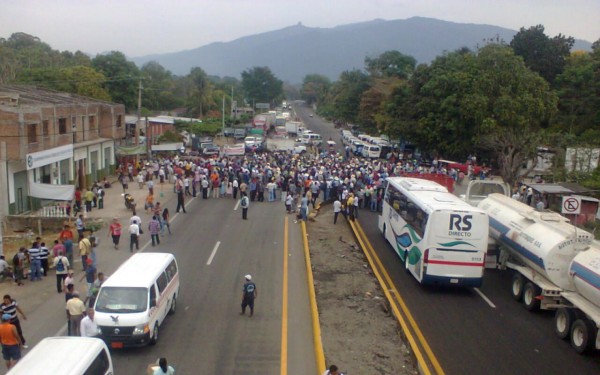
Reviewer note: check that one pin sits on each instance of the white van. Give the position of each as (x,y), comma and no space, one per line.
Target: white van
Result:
(66,356)
(371,151)
(134,301)
(313,138)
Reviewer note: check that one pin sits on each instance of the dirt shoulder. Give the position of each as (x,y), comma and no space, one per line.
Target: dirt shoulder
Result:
(359,333)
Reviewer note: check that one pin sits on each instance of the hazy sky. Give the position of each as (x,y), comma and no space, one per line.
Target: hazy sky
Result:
(141,27)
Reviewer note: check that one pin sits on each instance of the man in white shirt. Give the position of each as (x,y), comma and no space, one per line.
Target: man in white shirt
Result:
(135,218)
(337,208)
(134,234)
(88,327)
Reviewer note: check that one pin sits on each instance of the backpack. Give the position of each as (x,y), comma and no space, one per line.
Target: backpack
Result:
(250,289)
(60,267)
(244,202)
(15,260)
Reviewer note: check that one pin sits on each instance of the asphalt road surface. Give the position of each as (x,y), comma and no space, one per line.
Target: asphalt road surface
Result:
(207,335)
(466,333)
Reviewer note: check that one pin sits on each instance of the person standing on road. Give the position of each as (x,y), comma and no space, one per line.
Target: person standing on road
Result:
(115,232)
(75,310)
(90,278)
(249,294)
(332,370)
(35,264)
(66,237)
(61,265)
(85,249)
(166,217)
(337,208)
(80,226)
(154,229)
(88,327)
(44,253)
(160,368)
(9,306)
(179,188)
(11,342)
(134,236)
(244,203)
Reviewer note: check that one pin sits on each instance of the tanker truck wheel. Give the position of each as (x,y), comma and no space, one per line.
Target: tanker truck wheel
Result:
(517,286)
(530,292)
(563,319)
(583,335)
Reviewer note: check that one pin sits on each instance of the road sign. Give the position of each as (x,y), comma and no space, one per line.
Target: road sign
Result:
(262,105)
(571,205)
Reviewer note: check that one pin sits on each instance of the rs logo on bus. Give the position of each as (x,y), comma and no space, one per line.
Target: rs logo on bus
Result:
(460,223)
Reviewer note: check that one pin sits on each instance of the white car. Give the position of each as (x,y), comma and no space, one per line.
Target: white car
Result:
(299,148)
(250,141)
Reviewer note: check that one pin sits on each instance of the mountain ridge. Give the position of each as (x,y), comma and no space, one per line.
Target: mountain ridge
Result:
(297,50)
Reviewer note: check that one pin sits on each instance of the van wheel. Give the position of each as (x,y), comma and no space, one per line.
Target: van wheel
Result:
(406,262)
(583,333)
(517,286)
(173,306)
(154,338)
(383,231)
(530,292)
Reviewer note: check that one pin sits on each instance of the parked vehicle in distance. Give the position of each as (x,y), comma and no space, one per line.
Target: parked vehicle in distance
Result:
(69,356)
(294,127)
(239,133)
(211,149)
(229,132)
(312,138)
(250,141)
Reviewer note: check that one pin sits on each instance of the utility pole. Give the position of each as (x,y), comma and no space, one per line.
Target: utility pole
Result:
(232,101)
(139,113)
(223,114)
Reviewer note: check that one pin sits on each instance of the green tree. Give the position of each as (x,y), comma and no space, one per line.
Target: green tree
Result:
(517,105)
(198,92)
(314,88)
(391,64)
(261,86)
(159,85)
(122,78)
(578,88)
(542,54)
(345,95)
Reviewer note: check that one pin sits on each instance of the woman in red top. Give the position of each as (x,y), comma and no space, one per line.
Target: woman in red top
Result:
(115,231)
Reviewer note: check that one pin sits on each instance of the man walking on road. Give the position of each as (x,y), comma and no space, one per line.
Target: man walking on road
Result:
(10,307)
(11,342)
(75,310)
(249,293)
(134,236)
(244,203)
(61,265)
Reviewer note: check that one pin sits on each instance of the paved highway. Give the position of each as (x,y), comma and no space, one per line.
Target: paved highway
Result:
(468,334)
(207,335)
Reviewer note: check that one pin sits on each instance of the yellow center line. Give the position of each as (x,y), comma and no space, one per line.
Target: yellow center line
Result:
(284,307)
(407,313)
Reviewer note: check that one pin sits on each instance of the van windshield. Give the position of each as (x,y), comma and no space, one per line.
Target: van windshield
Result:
(122,300)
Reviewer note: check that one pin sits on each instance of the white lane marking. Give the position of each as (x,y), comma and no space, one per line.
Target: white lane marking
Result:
(237,205)
(212,255)
(489,302)
(61,331)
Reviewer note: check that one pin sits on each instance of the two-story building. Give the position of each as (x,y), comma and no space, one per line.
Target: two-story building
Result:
(50,140)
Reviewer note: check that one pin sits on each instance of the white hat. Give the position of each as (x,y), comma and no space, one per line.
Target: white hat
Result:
(248,277)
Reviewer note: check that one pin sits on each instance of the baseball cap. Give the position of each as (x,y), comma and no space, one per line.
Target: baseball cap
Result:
(248,277)
(6,316)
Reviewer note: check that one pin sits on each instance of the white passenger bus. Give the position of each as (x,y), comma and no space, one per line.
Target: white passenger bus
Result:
(440,238)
